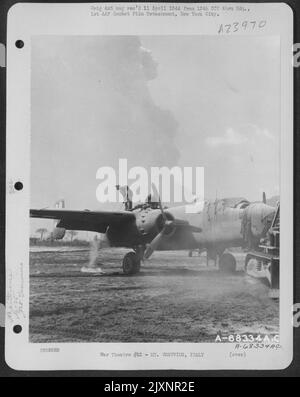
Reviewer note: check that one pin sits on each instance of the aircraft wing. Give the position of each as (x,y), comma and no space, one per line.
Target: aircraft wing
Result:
(94,221)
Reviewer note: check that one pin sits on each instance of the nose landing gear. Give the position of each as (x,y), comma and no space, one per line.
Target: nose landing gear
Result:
(132,261)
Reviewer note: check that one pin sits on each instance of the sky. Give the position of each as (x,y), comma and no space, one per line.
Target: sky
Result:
(206,101)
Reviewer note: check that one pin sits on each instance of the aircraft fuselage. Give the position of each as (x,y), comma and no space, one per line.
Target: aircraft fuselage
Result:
(220,225)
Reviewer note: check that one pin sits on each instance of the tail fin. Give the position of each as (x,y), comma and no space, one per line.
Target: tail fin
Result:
(58,232)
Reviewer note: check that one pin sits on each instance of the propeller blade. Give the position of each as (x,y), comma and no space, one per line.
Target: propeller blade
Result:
(153,245)
(155,191)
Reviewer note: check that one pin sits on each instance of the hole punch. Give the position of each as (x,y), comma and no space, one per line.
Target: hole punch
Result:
(17,329)
(19,43)
(18,186)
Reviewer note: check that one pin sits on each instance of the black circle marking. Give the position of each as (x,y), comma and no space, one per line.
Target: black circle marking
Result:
(17,329)
(18,186)
(19,43)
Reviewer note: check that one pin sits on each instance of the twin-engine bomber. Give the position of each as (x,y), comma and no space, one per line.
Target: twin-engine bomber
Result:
(213,226)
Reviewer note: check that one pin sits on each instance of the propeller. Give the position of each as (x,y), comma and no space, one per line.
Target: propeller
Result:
(169,227)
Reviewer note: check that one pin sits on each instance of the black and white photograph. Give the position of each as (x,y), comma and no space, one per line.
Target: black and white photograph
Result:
(107,271)
(155,186)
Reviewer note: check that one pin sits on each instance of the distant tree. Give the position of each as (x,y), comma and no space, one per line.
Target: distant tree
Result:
(41,231)
(72,234)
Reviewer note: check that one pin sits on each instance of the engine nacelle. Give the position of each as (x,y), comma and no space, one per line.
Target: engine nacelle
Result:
(150,222)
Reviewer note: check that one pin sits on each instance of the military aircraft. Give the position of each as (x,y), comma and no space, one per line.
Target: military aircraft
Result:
(145,228)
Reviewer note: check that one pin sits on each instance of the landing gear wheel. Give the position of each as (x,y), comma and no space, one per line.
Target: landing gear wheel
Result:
(131,263)
(227,263)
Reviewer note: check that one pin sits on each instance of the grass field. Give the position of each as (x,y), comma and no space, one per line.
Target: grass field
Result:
(173,299)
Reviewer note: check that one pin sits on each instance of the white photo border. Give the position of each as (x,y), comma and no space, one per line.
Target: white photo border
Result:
(27,20)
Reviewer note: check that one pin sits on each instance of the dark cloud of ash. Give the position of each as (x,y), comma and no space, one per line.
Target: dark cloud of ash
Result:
(140,130)
(91,106)
(127,118)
